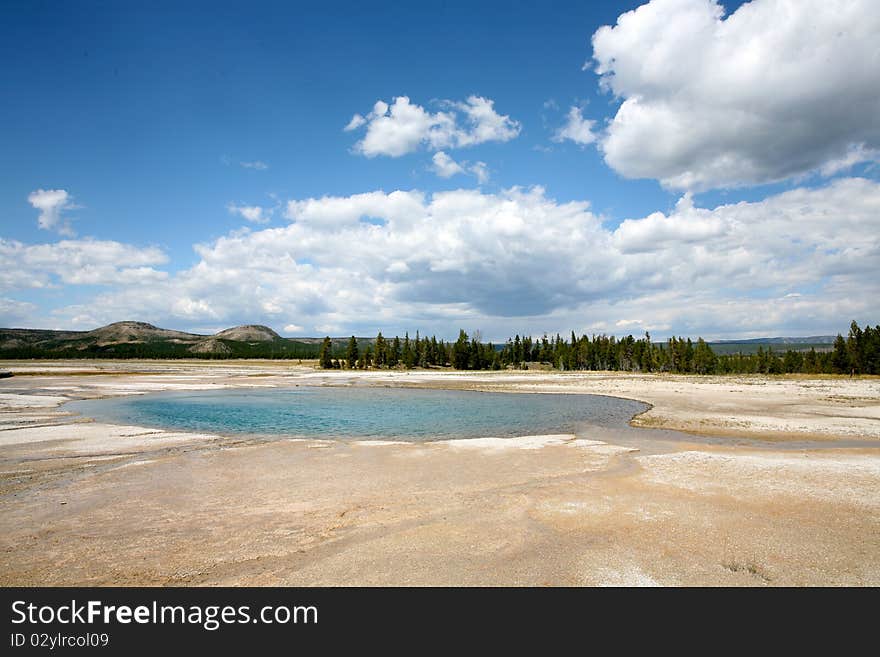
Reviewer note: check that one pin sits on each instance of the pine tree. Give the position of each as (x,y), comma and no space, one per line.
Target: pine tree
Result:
(461,352)
(704,358)
(811,364)
(394,352)
(761,363)
(325,356)
(379,354)
(855,348)
(351,355)
(839,356)
(421,351)
(408,358)
(871,358)
(475,352)
(793,361)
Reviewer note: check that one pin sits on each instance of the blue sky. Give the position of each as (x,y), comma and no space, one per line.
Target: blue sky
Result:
(157,121)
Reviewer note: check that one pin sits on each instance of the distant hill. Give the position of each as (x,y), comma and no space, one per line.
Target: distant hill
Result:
(814,339)
(128,332)
(249,333)
(819,343)
(141,340)
(210,346)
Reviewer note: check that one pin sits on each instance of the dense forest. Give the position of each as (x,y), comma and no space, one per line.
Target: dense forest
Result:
(858,353)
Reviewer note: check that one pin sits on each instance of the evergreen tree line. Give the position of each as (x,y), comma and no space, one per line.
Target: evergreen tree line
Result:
(464,354)
(858,353)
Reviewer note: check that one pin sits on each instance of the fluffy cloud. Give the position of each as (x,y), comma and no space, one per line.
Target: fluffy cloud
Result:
(481,171)
(576,128)
(483,123)
(685,226)
(333,212)
(816,249)
(259,165)
(356,122)
(52,203)
(256,214)
(801,261)
(445,167)
(403,127)
(13,312)
(77,262)
(777,89)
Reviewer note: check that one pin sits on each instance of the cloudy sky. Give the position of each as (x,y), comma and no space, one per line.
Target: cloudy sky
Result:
(678,166)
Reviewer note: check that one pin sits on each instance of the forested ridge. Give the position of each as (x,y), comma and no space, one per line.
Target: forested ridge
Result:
(858,353)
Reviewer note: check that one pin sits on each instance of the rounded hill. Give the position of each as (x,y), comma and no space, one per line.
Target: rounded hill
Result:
(122,332)
(248,333)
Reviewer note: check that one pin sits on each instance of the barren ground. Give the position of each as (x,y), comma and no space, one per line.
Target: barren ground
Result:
(776,482)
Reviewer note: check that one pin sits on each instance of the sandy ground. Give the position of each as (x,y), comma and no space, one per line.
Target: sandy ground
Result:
(777,482)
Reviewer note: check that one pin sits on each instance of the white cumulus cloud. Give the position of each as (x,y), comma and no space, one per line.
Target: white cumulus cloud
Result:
(52,203)
(254,213)
(403,126)
(14,312)
(445,166)
(775,90)
(803,261)
(77,262)
(576,128)
(356,122)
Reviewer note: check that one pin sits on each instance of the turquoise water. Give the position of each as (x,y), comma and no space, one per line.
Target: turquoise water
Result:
(398,413)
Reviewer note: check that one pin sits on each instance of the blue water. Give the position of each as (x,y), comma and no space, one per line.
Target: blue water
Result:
(398,413)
